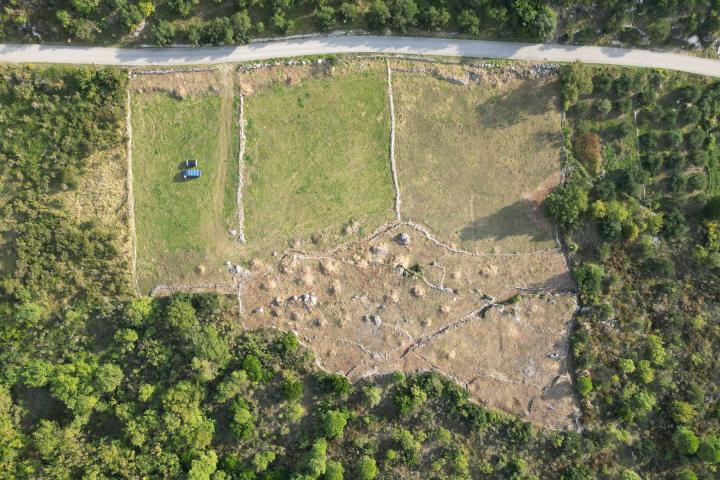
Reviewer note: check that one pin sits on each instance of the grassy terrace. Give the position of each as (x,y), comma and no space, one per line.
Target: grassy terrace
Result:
(317,157)
(475,161)
(182,225)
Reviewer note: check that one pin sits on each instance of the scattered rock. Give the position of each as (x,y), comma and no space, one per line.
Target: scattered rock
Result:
(277,302)
(180,93)
(379,250)
(444,309)
(418,291)
(352,228)
(450,355)
(328,267)
(376,320)
(393,297)
(268,285)
(232,232)
(200,269)
(427,322)
(308,279)
(319,322)
(403,239)
(489,271)
(259,310)
(335,289)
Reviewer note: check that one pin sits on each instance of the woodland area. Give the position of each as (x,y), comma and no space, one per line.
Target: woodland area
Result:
(97,383)
(228,22)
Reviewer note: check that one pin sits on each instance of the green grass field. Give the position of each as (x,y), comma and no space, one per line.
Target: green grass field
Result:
(317,157)
(183,224)
(475,161)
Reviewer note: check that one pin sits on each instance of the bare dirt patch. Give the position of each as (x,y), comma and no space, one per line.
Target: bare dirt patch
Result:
(377,306)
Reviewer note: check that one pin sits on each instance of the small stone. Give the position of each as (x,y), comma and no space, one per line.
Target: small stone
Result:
(444,309)
(232,232)
(403,239)
(328,267)
(379,250)
(376,320)
(259,310)
(319,322)
(277,302)
(200,269)
(418,291)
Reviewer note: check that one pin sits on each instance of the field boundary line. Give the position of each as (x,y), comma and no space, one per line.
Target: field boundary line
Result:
(437,242)
(241,172)
(393,165)
(191,288)
(130,192)
(173,70)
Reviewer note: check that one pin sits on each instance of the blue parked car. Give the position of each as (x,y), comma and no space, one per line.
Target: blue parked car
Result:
(191,173)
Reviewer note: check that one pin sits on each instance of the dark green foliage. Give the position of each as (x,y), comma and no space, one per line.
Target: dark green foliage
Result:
(324,17)
(378,15)
(589,279)
(566,205)
(113,21)
(164,33)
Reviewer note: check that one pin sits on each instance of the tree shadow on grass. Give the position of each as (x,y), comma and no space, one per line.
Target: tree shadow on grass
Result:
(517,105)
(520,218)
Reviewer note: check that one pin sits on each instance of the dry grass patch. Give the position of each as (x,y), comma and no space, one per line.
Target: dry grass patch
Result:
(362,314)
(475,161)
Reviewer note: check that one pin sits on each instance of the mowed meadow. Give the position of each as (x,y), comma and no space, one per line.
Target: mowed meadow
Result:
(317,158)
(182,225)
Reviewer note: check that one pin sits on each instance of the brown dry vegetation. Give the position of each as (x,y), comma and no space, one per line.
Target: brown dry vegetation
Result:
(374,316)
(101,195)
(475,160)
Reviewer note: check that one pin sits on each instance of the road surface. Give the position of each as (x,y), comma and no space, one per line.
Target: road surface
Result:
(15,53)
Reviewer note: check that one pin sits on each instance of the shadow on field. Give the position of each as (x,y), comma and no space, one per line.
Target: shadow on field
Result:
(562,281)
(507,109)
(520,218)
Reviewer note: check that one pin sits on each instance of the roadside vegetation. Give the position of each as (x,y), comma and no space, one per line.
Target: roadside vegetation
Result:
(642,229)
(208,22)
(317,159)
(182,225)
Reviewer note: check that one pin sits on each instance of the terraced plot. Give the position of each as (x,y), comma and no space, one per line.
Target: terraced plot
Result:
(182,225)
(317,159)
(476,160)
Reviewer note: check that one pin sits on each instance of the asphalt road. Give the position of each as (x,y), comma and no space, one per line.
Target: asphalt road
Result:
(14,53)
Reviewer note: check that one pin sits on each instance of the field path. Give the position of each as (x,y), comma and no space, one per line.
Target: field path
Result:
(339,44)
(227,89)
